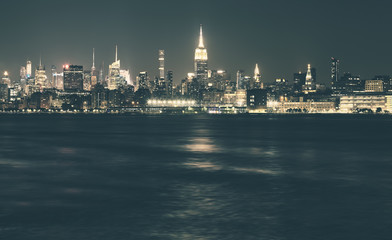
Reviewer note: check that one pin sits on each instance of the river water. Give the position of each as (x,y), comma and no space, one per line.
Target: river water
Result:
(195,177)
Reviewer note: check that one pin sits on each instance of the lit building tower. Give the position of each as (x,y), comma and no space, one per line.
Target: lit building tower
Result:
(53,80)
(201,60)
(257,78)
(169,84)
(93,67)
(142,80)
(115,79)
(40,76)
(101,74)
(22,74)
(28,69)
(73,78)
(239,82)
(94,72)
(161,64)
(6,79)
(161,85)
(29,74)
(335,73)
(309,80)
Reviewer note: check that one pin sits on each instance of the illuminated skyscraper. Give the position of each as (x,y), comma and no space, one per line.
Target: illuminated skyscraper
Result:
(201,59)
(22,74)
(240,76)
(126,76)
(28,69)
(169,80)
(40,76)
(335,70)
(93,67)
(5,80)
(298,82)
(101,79)
(57,81)
(142,80)
(115,79)
(258,84)
(94,72)
(160,88)
(87,80)
(336,85)
(73,78)
(161,64)
(310,79)
(53,72)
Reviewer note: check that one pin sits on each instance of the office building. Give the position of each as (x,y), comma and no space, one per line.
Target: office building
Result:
(201,60)
(73,78)
(142,80)
(374,86)
(335,71)
(41,80)
(115,80)
(257,83)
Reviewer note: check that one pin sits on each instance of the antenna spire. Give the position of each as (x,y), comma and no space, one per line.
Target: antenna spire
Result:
(201,40)
(116,53)
(93,59)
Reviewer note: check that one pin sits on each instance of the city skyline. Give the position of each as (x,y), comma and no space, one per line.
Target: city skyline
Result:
(233,44)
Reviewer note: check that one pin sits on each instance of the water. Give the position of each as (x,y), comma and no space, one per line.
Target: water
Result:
(195,177)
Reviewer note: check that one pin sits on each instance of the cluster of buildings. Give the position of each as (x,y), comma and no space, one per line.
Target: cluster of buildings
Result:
(75,88)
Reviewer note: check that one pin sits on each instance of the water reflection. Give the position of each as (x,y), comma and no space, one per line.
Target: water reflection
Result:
(202,145)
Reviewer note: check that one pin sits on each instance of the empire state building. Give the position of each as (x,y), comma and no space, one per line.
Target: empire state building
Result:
(201,59)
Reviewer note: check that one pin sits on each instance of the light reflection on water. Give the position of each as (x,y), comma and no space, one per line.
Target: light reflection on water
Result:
(194,177)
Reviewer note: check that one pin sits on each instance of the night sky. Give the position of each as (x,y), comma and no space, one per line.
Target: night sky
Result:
(282,36)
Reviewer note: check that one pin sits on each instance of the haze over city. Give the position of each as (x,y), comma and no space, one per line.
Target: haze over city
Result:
(282,36)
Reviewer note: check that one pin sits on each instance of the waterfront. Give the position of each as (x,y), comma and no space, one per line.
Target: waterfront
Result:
(195,176)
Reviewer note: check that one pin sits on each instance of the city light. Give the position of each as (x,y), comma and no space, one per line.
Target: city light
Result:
(171,103)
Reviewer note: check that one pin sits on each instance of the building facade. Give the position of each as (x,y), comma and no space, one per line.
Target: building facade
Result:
(73,78)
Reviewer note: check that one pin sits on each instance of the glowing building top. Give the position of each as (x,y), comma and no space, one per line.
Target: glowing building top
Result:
(201,59)
(257,71)
(309,75)
(115,79)
(201,51)
(257,78)
(93,67)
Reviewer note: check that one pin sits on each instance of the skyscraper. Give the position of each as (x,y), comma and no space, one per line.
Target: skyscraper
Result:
(52,78)
(28,69)
(40,76)
(240,77)
(57,81)
(22,74)
(142,80)
(160,88)
(298,82)
(335,70)
(161,64)
(115,80)
(258,84)
(310,79)
(87,80)
(126,76)
(201,60)
(73,78)
(101,79)
(6,79)
(169,81)
(94,72)
(335,74)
